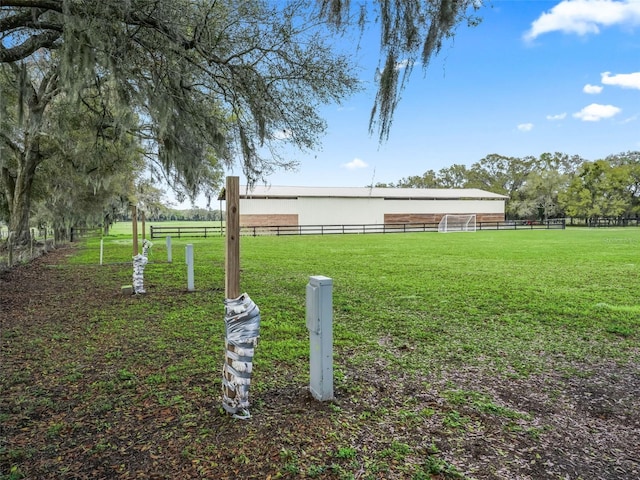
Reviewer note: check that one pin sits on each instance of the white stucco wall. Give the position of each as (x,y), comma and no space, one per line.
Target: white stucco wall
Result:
(444,206)
(340,211)
(252,206)
(345,211)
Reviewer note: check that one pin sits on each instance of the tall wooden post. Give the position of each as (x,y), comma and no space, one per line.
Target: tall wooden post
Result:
(10,245)
(144,228)
(232,259)
(134,227)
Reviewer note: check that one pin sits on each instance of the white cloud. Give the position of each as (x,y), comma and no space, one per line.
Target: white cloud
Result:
(560,116)
(525,127)
(596,112)
(354,164)
(402,64)
(583,17)
(624,80)
(283,134)
(592,89)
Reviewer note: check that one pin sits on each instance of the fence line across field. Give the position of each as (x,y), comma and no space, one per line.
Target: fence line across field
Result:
(186,231)
(277,230)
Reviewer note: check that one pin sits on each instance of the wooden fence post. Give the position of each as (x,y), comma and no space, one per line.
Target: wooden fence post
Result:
(10,252)
(134,228)
(232,258)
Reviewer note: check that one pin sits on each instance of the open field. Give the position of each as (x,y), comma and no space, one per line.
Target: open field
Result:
(124,228)
(493,355)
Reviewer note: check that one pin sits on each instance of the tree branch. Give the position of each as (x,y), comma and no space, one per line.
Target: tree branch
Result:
(26,48)
(10,143)
(48,86)
(9,184)
(46,4)
(19,19)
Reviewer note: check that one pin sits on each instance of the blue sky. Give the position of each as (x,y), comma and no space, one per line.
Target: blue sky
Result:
(531,78)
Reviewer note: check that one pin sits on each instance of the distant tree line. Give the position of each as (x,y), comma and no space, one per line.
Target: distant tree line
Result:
(167,214)
(552,185)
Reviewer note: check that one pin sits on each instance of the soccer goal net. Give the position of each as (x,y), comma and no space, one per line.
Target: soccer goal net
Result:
(457,223)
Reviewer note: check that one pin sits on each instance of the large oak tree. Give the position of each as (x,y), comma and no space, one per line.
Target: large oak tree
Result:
(209,81)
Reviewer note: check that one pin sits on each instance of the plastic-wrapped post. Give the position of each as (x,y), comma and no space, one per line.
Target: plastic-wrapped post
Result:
(242,329)
(146,246)
(242,317)
(139,261)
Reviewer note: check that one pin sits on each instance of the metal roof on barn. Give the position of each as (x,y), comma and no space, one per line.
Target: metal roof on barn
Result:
(272,191)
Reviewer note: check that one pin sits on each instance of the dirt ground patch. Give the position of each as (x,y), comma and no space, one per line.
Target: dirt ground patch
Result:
(69,410)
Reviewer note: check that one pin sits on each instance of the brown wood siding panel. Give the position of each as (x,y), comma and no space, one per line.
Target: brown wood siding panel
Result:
(268,220)
(490,217)
(391,218)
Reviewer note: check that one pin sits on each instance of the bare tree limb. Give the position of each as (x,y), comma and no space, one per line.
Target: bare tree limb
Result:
(10,143)
(46,4)
(29,46)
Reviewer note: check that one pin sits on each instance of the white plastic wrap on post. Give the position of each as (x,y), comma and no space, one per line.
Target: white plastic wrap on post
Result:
(146,246)
(139,261)
(242,329)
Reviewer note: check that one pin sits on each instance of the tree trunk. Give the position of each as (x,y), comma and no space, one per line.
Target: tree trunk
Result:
(20,209)
(20,206)
(19,185)
(61,231)
(106,224)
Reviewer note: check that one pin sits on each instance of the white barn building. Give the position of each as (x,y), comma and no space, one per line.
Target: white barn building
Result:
(294,206)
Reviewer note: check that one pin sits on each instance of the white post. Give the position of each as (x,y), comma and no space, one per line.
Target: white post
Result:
(169,254)
(320,326)
(189,255)
(101,249)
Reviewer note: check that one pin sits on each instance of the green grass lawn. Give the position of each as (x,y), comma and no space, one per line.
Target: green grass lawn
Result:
(124,228)
(482,355)
(504,300)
